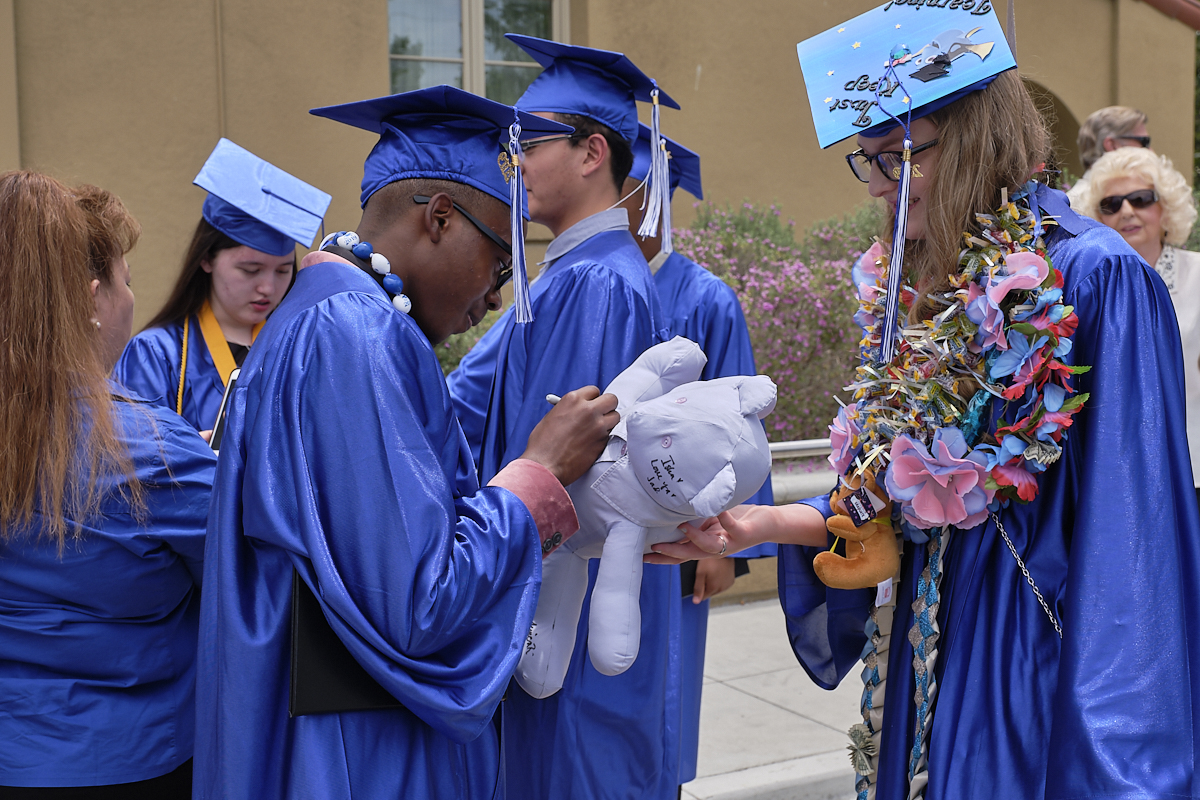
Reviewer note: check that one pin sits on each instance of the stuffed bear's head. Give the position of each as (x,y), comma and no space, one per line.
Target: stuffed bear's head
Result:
(701,449)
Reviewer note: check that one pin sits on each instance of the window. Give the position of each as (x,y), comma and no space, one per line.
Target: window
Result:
(461,43)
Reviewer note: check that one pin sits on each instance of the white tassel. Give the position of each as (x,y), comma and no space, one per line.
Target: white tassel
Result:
(657,203)
(896,266)
(522,304)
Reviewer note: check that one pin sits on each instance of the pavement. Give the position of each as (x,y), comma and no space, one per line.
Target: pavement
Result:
(767,732)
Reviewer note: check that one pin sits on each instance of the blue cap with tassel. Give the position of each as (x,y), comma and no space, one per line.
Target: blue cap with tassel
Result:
(444,133)
(888,67)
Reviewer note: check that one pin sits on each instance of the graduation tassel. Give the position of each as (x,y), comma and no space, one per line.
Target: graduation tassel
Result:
(666,246)
(657,204)
(896,265)
(522,305)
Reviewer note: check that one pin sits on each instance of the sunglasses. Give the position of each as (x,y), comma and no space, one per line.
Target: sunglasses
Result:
(506,273)
(1143,141)
(1139,199)
(890,161)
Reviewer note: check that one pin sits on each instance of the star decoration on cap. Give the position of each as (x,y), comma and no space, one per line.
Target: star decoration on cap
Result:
(905,100)
(830,73)
(856,45)
(828,99)
(841,30)
(897,26)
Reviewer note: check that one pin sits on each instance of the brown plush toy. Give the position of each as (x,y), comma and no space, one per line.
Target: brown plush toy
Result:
(871,553)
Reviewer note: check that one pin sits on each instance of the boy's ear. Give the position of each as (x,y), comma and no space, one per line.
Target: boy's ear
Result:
(437,215)
(597,154)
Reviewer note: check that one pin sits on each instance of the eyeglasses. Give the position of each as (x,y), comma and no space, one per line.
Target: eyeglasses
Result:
(890,160)
(1139,199)
(506,273)
(1143,141)
(532,143)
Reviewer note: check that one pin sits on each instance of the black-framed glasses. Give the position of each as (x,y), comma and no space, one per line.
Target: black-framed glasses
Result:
(1143,141)
(1139,199)
(890,161)
(506,273)
(532,143)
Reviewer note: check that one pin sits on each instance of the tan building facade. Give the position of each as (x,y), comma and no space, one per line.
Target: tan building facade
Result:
(132,95)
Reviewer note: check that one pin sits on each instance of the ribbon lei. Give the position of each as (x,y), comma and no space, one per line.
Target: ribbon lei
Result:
(657,203)
(522,305)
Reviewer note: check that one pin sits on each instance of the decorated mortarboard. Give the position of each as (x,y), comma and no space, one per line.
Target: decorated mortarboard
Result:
(682,164)
(897,60)
(257,204)
(444,133)
(892,65)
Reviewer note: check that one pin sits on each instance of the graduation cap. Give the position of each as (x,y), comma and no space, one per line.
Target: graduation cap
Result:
(889,66)
(444,133)
(257,204)
(899,62)
(684,164)
(598,84)
(603,86)
(683,167)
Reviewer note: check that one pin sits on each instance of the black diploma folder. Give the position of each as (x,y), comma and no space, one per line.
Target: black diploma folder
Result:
(325,677)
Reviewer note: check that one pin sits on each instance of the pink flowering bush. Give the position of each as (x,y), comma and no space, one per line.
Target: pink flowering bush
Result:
(798,298)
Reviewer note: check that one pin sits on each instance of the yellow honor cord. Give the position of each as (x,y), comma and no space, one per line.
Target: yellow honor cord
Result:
(182,369)
(836,539)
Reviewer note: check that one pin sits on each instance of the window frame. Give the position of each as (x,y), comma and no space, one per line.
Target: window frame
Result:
(474,45)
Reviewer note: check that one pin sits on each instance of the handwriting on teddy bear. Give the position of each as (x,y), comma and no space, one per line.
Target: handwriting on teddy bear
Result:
(664,475)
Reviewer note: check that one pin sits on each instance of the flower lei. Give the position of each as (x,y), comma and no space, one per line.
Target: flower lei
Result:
(999,332)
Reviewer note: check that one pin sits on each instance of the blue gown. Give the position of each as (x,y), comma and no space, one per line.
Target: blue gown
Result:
(700,306)
(98,643)
(596,310)
(149,367)
(342,460)
(1113,543)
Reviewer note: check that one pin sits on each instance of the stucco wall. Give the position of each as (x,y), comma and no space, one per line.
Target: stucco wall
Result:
(133,96)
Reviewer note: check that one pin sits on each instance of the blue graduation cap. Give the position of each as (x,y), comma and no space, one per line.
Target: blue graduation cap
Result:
(889,66)
(257,204)
(684,164)
(597,84)
(899,61)
(444,133)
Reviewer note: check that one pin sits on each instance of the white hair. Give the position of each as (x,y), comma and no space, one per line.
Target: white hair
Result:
(1178,205)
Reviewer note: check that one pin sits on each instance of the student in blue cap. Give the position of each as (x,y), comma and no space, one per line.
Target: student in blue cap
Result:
(595,310)
(699,306)
(1022,549)
(237,268)
(348,489)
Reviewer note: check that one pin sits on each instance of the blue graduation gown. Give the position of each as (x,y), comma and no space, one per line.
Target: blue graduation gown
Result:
(700,306)
(596,310)
(149,367)
(98,643)
(343,461)
(1113,543)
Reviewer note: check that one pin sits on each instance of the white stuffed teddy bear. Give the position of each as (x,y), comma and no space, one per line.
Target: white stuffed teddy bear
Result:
(684,450)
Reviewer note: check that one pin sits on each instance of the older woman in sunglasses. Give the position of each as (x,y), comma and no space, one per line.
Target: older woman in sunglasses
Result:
(1146,200)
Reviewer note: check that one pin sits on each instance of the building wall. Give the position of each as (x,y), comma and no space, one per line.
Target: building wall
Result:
(132,95)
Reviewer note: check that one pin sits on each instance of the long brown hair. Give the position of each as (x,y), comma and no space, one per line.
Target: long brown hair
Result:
(56,420)
(988,141)
(193,286)
(112,230)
